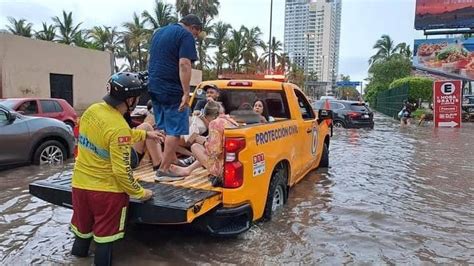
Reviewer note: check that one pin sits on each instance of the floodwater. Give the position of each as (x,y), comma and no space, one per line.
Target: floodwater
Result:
(391,195)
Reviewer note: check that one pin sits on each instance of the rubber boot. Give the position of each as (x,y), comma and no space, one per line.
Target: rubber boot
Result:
(80,248)
(103,254)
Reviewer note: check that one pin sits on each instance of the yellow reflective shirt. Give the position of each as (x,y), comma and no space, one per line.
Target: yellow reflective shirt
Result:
(103,161)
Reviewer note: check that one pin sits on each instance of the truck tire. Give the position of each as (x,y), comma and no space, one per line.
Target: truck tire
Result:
(324,157)
(277,192)
(49,152)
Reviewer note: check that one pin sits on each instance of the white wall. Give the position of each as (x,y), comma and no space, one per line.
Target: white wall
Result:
(25,65)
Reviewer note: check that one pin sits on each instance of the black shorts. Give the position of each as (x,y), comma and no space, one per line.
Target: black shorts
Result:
(136,158)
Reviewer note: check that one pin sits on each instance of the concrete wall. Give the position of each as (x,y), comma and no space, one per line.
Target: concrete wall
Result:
(25,66)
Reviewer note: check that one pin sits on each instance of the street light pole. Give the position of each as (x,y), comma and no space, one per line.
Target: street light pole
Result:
(306,65)
(270,56)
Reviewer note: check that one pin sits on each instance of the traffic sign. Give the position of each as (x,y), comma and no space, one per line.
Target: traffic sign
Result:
(348,83)
(447,103)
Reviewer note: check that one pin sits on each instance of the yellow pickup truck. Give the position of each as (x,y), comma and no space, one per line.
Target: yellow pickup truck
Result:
(262,162)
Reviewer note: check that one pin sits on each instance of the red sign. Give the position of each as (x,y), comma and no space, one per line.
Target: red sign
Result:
(447,103)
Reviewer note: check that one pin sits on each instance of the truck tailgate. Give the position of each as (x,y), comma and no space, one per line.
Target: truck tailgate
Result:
(173,203)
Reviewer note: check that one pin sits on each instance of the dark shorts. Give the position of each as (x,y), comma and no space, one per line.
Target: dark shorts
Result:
(135,158)
(169,119)
(99,214)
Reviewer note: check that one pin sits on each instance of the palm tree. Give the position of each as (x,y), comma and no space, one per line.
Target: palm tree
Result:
(100,36)
(219,36)
(233,50)
(404,50)
(81,39)
(137,36)
(206,10)
(48,33)
(19,27)
(274,49)
(385,49)
(162,15)
(67,29)
(252,39)
(282,60)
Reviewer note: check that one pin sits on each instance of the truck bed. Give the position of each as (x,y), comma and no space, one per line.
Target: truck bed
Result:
(172,203)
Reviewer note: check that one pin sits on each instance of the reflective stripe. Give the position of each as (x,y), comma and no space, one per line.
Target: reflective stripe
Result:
(79,234)
(87,144)
(108,239)
(122,218)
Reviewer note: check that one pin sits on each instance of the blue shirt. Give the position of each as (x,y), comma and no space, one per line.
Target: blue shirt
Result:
(168,45)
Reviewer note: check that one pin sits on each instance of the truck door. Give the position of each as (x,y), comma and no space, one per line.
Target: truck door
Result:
(308,135)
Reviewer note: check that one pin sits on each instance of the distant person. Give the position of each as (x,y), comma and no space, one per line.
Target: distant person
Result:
(102,179)
(172,52)
(405,113)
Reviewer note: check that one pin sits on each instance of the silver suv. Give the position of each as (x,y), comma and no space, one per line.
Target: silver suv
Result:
(38,140)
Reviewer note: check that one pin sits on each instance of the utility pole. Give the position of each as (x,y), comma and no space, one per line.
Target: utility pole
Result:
(270,56)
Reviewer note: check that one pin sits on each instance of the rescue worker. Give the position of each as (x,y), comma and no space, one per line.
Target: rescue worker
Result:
(102,179)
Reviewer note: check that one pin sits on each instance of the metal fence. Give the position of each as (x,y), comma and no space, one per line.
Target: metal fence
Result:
(390,102)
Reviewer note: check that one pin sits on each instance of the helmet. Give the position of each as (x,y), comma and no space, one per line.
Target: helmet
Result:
(124,85)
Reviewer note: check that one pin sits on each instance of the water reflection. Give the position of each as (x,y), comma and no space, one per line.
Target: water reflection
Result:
(391,195)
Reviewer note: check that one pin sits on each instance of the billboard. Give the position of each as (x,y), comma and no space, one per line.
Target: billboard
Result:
(444,14)
(451,57)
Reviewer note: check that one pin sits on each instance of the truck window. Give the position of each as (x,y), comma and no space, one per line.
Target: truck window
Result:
(240,99)
(305,108)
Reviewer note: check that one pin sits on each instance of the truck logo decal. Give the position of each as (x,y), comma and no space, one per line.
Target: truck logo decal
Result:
(275,134)
(258,164)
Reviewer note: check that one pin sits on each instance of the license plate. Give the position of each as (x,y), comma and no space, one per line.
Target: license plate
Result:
(366,116)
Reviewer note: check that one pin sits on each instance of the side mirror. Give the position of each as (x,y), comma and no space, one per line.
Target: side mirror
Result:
(11,117)
(324,114)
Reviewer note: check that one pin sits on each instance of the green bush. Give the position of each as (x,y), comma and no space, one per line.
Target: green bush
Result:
(419,87)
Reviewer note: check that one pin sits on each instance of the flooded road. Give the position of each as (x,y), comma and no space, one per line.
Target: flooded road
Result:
(391,195)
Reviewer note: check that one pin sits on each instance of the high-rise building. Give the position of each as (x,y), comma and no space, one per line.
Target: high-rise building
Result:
(312,33)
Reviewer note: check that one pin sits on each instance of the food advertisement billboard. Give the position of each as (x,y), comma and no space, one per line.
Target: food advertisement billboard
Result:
(454,57)
(444,14)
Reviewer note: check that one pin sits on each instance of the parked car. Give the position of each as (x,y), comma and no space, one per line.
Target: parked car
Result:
(44,107)
(349,114)
(29,139)
(468,103)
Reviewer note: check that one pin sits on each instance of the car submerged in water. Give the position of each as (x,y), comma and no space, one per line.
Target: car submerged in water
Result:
(348,114)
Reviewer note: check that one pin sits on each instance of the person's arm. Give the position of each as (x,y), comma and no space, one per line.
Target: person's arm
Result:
(120,148)
(185,69)
(187,55)
(138,135)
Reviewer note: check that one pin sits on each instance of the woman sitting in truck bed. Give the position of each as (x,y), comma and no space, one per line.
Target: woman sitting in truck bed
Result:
(209,151)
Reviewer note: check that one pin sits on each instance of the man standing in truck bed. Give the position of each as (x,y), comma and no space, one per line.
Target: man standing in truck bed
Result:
(172,51)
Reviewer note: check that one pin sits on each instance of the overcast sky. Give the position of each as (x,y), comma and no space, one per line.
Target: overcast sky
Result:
(363,21)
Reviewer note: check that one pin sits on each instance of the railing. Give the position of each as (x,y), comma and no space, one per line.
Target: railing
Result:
(390,102)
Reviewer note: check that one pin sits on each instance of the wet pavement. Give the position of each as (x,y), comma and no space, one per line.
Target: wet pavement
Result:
(391,195)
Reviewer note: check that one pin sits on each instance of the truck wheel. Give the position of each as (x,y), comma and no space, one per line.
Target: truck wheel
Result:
(324,157)
(49,152)
(277,192)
